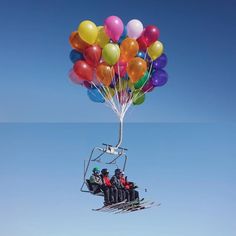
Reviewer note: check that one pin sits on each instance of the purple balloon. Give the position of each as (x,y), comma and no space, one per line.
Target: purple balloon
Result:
(148,87)
(160,62)
(114,81)
(159,78)
(88,85)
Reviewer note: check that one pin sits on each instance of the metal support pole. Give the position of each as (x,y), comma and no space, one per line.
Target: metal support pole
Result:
(120,133)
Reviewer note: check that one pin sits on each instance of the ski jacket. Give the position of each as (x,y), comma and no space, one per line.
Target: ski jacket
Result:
(106,181)
(96,179)
(115,181)
(124,183)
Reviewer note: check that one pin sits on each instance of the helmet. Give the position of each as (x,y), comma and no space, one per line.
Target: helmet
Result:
(104,171)
(96,170)
(117,171)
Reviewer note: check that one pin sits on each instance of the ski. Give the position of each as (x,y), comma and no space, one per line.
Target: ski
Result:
(132,205)
(109,206)
(144,207)
(125,205)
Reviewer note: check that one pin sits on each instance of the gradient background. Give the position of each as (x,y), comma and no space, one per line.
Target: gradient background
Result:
(181,141)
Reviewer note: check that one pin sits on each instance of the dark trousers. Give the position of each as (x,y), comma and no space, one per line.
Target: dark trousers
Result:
(133,194)
(106,192)
(113,195)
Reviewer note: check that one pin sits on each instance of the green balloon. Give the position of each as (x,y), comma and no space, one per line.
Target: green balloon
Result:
(111,53)
(138,97)
(142,81)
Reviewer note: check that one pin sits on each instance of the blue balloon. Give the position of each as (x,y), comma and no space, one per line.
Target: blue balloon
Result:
(141,54)
(76,55)
(95,95)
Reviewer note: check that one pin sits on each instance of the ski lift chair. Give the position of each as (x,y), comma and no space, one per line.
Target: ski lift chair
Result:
(108,155)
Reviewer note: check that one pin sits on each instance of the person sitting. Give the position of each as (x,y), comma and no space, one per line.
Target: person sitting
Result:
(116,183)
(113,192)
(98,186)
(130,187)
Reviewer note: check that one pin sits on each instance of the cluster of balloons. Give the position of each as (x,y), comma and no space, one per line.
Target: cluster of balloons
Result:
(117,63)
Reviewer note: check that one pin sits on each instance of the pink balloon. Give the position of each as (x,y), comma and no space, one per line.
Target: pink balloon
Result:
(148,87)
(75,78)
(114,27)
(120,67)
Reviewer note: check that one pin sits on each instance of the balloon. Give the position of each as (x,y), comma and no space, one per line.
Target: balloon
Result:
(95,95)
(151,34)
(102,38)
(141,54)
(114,27)
(92,55)
(159,78)
(111,53)
(142,43)
(138,97)
(109,93)
(142,81)
(160,62)
(105,74)
(83,70)
(114,81)
(88,85)
(148,87)
(136,69)
(155,50)
(76,55)
(76,42)
(123,97)
(120,68)
(88,31)
(75,78)
(122,85)
(134,28)
(128,49)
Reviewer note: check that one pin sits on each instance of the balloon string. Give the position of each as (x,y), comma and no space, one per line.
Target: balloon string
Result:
(102,96)
(111,97)
(108,102)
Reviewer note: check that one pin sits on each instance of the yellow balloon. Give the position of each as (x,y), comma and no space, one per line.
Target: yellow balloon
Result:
(88,31)
(122,85)
(155,50)
(131,85)
(109,93)
(102,38)
(111,53)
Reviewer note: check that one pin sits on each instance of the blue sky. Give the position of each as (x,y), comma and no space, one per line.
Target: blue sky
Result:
(189,168)
(199,39)
(181,140)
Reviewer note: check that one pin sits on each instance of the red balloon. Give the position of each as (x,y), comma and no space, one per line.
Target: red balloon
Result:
(142,43)
(151,34)
(83,70)
(92,55)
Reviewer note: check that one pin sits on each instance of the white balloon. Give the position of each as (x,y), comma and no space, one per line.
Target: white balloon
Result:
(134,28)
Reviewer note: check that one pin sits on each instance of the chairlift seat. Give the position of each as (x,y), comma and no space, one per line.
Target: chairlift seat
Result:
(90,188)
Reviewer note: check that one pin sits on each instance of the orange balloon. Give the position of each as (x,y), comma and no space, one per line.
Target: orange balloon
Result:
(136,69)
(105,74)
(77,43)
(129,49)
